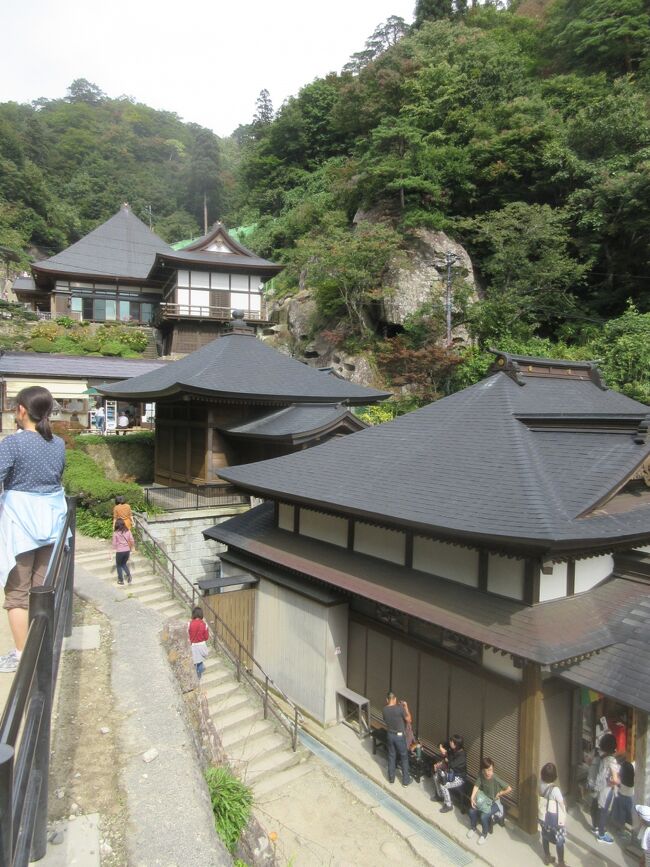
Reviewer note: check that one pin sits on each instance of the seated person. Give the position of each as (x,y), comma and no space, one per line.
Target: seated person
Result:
(486,805)
(451,772)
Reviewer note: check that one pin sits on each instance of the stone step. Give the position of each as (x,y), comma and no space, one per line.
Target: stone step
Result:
(154,595)
(170,608)
(250,750)
(262,786)
(234,738)
(272,763)
(219,705)
(242,715)
(219,690)
(142,586)
(212,676)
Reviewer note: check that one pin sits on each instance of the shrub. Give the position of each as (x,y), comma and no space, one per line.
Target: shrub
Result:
(67,346)
(65,322)
(41,344)
(90,344)
(141,436)
(47,329)
(112,347)
(91,525)
(231,804)
(85,478)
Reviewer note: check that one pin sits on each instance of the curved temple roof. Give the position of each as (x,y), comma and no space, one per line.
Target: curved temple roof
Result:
(516,460)
(239,365)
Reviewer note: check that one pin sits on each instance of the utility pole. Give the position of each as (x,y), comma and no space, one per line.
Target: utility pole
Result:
(450,258)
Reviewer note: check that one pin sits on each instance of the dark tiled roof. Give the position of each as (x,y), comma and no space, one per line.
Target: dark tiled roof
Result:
(76,366)
(467,468)
(622,670)
(294,420)
(240,365)
(222,261)
(24,284)
(547,633)
(121,247)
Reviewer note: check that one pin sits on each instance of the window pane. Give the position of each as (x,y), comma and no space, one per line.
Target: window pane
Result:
(99,310)
(87,306)
(146,312)
(200,280)
(220,280)
(183,278)
(111,309)
(76,304)
(255,302)
(239,301)
(125,310)
(239,281)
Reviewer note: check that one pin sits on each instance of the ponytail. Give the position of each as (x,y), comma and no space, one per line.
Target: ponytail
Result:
(39,404)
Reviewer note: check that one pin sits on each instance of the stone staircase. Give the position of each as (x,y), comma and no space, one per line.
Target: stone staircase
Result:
(258,749)
(151,349)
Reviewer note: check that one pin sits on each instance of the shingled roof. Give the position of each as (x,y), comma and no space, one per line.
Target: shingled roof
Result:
(515,459)
(238,365)
(295,422)
(122,247)
(73,366)
(547,634)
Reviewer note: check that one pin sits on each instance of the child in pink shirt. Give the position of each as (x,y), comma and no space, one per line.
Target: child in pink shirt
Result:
(123,544)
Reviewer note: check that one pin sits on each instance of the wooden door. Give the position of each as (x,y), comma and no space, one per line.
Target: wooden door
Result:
(235,609)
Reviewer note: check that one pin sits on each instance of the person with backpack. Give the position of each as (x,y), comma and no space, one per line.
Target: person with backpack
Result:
(551,815)
(486,800)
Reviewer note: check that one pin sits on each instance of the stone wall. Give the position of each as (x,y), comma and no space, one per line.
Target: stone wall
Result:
(181,535)
(123,460)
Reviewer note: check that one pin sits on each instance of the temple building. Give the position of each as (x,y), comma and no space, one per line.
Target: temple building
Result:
(237,400)
(486,557)
(122,271)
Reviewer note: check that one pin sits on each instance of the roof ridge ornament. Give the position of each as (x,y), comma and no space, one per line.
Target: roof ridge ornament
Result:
(642,435)
(239,326)
(518,366)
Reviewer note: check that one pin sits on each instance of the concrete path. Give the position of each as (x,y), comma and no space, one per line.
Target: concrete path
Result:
(170,815)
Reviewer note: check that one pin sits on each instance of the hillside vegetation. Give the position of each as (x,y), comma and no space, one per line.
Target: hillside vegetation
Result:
(522,133)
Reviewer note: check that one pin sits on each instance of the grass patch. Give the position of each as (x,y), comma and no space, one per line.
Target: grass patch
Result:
(94,526)
(231,804)
(141,436)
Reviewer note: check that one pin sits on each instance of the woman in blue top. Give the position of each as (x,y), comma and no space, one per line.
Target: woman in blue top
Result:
(32,509)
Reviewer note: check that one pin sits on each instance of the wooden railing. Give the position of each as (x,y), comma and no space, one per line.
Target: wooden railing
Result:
(223,638)
(168,310)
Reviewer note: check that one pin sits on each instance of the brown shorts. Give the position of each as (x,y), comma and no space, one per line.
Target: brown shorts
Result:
(29,571)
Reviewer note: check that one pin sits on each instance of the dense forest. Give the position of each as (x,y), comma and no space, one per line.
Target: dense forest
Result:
(523,133)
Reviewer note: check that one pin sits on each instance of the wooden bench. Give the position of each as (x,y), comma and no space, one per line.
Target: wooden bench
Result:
(362,709)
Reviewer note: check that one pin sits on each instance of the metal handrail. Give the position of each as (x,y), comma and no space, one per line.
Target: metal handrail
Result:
(190,595)
(183,497)
(26,720)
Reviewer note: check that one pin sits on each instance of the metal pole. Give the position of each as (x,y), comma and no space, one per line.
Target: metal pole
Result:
(450,258)
(69,578)
(41,604)
(6,803)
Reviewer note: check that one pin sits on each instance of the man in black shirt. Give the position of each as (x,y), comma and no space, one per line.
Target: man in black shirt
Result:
(396,716)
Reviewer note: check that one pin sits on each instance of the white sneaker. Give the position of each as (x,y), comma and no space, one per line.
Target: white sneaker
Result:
(470,833)
(9,662)
(482,839)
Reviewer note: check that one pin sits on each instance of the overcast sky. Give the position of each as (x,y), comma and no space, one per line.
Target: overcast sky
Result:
(206,60)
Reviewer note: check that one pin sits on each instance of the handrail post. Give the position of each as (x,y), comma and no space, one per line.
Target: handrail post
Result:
(266,696)
(173,577)
(6,803)
(41,604)
(69,577)
(239,662)
(294,740)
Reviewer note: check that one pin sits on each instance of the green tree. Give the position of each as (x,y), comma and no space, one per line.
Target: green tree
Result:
(623,349)
(82,90)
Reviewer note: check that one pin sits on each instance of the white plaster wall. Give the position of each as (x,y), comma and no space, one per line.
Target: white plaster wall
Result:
(447,561)
(592,571)
(499,664)
(644,550)
(553,586)
(295,640)
(327,528)
(379,542)
(506,576)
(285,517)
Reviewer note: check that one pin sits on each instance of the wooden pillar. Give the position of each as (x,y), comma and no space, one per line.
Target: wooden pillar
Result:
(529,737)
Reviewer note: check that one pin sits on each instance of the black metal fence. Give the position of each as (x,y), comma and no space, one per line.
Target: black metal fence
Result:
(25,723)
(193,497)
